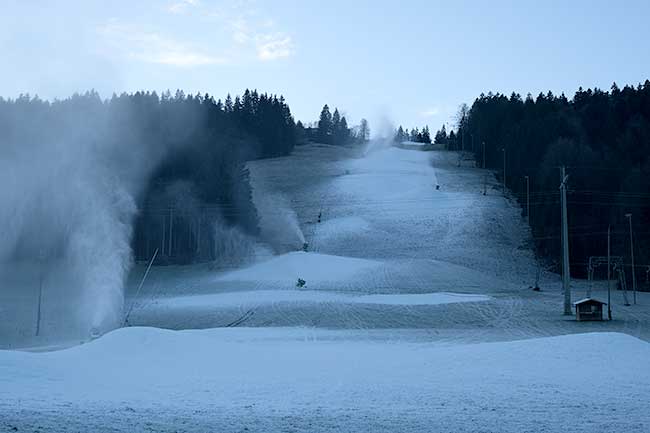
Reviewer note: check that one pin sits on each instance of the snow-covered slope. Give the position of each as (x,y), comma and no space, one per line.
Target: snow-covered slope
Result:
(399,277)
(313,267)
(268,380)
(257,298)
(384,229)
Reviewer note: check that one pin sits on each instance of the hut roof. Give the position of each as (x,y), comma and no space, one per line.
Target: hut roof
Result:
(589,301)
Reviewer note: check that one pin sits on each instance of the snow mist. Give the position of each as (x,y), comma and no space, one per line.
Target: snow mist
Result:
(232,247)
(382,137)
(278,222)
(68,204)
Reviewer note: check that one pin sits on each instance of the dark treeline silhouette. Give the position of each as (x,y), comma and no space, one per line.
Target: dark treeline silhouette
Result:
(332,129)
(415,135)
(603,139)
(448,140)
(192,148)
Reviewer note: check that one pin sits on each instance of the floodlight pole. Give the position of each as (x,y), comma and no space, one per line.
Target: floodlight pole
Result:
(504,170)
(527,199)
(40,301)
(483,154)
(462,139)
(41,257)
(609,286)
(171,226)
(566,275)
(629,217)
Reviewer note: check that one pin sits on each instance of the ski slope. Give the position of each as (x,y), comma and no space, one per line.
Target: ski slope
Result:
(272,380)
(415,315)
(384,229)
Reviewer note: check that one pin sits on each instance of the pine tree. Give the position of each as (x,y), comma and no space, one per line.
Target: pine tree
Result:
(228,104)
(325,125)
(336,120)
(364,131)
(451,141)
(399,135)
(426,137)
(441,136)
(344,131)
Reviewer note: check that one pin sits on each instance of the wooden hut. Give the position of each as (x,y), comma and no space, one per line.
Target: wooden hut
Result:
(589,309)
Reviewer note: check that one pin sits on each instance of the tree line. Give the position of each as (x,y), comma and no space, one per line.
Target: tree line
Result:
(603,140)
(333,128)
(418,136)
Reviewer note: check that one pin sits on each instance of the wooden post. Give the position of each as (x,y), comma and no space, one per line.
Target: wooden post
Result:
(40,295)
(609,286)
(171,226)
(566,274)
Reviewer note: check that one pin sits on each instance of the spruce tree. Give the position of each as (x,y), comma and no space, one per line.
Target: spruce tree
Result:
(364,131)
(344,131)
(325,125)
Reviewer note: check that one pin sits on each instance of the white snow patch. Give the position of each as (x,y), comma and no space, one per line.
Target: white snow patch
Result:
(509,387)
(337,228)
(308,266)
(255,298)
(421,299)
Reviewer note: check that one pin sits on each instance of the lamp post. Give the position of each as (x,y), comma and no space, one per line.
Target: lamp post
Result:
(504,170)
(629,217)
(484,154)
(41,258)
(566,274)
(527,199)
(609,287)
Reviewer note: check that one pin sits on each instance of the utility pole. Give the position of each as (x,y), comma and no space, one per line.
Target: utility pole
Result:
(41,257)
(171,226)
(462,139)
(527,199)
(609,286)
(629,217)
(504,170)
(566,274)
(484,154)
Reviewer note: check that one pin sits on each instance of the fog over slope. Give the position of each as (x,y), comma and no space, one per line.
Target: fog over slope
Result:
(69,192)
(87,184)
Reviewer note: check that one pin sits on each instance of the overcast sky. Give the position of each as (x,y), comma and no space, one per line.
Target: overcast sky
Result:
(410,61)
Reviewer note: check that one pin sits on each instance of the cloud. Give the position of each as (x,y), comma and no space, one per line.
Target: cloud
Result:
(177,58)
(258,34)
(430,112)
(153,47)
(225,33)
(180,7)
(274,46)
(241,32)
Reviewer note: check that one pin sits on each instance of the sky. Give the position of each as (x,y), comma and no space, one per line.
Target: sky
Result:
(408,62)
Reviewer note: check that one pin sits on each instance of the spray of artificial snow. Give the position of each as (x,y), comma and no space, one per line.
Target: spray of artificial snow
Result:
(68,206)
(278,223)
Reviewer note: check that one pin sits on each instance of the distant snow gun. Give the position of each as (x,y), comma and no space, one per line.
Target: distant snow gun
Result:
(305,246)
